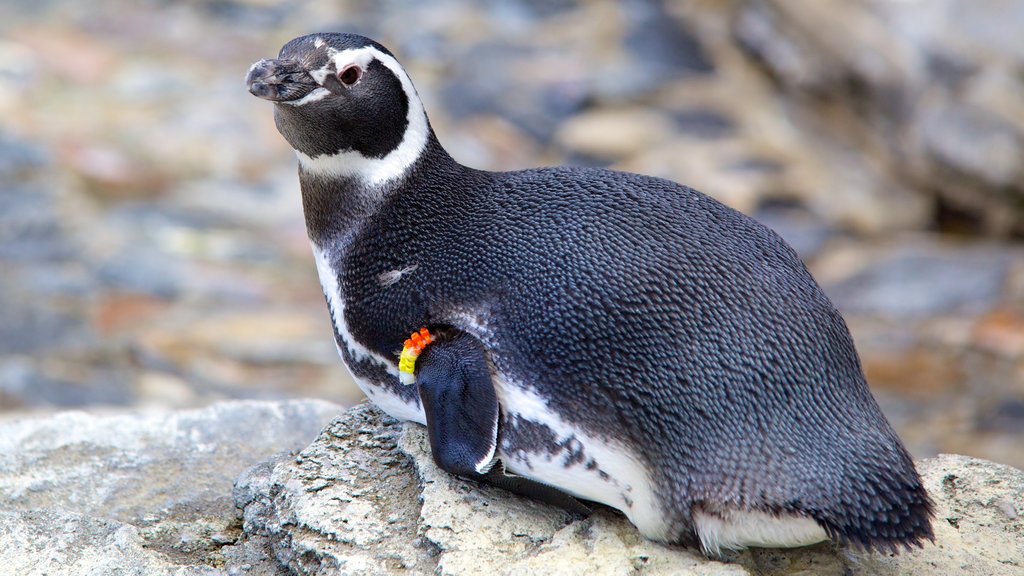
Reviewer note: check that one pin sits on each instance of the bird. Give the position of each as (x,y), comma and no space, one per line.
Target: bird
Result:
(581,335)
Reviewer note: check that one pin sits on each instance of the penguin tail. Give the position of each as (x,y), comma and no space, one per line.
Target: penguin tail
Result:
(886,517)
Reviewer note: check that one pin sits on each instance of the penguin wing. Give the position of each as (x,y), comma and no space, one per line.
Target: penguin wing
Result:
(460,404)
(463,415)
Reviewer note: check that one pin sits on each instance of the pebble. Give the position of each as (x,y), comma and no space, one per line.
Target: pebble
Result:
(614,134)
(919,281)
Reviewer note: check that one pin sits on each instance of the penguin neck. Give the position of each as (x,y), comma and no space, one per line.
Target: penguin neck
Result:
(335,206)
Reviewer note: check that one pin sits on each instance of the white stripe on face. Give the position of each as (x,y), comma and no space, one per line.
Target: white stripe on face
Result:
(351,164)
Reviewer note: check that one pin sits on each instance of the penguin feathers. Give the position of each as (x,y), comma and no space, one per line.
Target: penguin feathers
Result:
(667,355)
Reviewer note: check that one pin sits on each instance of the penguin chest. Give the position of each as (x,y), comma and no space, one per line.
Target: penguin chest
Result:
(374,373)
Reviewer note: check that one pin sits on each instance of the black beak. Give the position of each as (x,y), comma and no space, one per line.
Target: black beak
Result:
(279,80)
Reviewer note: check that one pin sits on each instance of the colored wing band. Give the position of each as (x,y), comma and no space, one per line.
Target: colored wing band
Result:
(414,345)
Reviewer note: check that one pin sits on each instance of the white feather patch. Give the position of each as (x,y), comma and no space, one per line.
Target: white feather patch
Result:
(386,400)
(336,300)
(318,94)
(392,404)
(374,171)
(629,477)
(739,529)
(391,277)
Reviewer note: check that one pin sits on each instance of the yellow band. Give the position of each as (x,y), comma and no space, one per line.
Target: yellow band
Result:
(407,361)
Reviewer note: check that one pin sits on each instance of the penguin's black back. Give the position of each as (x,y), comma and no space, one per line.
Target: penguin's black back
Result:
(643,307)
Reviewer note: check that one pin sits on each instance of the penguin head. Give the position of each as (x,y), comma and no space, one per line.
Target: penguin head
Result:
(345,105)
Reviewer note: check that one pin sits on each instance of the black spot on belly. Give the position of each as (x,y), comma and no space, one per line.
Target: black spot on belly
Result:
(573,452)
(521,436)
(626,499)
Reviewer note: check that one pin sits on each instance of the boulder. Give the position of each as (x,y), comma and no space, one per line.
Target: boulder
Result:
(150,494)
(366,498)
(934,97)
(146,493)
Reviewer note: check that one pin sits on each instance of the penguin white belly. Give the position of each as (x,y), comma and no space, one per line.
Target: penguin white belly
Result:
(539,444)
(739,529)
(384,398)
(603,470)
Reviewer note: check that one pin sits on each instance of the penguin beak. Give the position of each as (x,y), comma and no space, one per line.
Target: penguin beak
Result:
(279,80)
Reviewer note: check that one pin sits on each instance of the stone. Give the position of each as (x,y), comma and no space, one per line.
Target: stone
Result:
(142,493)
(347,504)
(915,280)
(366,498)
(930,97)
(614,134)
(151,494)
(804,233)
(52,541)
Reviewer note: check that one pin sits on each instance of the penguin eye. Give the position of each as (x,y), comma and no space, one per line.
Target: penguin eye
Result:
(350,75)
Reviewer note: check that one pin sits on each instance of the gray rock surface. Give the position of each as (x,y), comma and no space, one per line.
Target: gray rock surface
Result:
(926,280)
(137,493)
(366,498)
(151,494)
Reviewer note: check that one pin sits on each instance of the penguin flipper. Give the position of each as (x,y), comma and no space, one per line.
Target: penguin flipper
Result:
(462,413)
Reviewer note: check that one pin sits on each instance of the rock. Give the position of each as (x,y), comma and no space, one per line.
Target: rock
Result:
(926,279)
(51,541)
(662,41)
(934,100)
(137,493)
(804,233)
(366,498)
(555,89)
(349,503)
(150,494)
(485,530)
(614,134)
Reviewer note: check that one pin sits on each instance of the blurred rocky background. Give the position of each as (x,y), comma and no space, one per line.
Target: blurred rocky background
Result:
(152,250)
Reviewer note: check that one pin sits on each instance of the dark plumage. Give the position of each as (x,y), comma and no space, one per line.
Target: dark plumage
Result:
(641,310)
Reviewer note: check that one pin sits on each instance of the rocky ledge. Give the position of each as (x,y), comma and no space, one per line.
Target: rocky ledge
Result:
(148,494)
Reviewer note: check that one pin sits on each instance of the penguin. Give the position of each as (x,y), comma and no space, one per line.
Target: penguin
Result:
(585,335)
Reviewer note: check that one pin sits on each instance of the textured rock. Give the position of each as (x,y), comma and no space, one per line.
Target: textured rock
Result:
(348,503)
(366,498)
(140,493)
(50,541)
(143,495)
